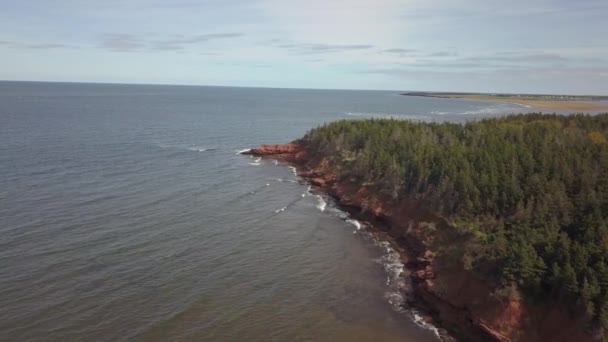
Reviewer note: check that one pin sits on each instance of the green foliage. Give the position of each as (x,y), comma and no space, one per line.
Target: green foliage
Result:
(532,188)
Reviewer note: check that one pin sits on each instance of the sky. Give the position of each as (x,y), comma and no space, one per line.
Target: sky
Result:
(517,46)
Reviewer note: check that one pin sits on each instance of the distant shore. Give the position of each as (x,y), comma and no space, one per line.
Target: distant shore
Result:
(550,102)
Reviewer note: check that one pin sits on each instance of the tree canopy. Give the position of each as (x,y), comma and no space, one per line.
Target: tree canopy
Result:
(534,188)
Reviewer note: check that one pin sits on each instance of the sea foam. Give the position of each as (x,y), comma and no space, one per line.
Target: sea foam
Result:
(256,162)
(423,324)
(394,268)
(321,204)
(280,210)
(197,149)
(397,280)
(355,223)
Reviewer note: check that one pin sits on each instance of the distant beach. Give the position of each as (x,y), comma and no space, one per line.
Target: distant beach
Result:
(548,102)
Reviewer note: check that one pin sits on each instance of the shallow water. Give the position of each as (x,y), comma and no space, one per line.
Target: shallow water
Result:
(127,214)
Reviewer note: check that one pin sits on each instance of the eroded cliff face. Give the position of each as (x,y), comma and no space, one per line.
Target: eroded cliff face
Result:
(454,297)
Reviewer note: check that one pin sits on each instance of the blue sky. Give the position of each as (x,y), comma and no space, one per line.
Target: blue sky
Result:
(442,45)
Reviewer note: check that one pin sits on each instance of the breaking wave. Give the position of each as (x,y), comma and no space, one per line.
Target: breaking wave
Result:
(355,223)
(200,149)
(321,204)
(296,199)
(391,261)
(185,147)
(280,210)
(397,276)
(283,180)
(419,321)
(256,162)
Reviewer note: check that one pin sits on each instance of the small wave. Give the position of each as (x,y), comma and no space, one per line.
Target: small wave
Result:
(391,262)
(276,162)
(198,149)
(355,223)
(380,115)
(243,151)
(396,116)
(256,162)
(293,170)
(501,108)
(396,281)
(321,204)
(280,210)
(419,321)
(259,189)
(290,204)
(185,147)
(283,180)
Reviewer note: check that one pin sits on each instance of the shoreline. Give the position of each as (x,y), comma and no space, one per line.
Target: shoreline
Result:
(379,233)
(444,292)
(533,101)
(416,259)
(422,312)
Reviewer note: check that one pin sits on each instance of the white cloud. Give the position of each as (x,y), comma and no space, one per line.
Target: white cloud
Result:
(337,22)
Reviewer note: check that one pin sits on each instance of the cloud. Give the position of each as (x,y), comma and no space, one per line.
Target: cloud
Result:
(336,22)
(495,61)
(522,72)
(336,47)
(322,48)
(515,57)
(43,46)
(123,42)
(178,42)
(514,79)
(49,46)
(443,54)
(399,50)
(178,4)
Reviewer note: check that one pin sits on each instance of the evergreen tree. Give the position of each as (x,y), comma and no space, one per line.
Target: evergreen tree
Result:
(532,190)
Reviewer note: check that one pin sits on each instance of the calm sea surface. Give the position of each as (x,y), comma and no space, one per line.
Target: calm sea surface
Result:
(126,214)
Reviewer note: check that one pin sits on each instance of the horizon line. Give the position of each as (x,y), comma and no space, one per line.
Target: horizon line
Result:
(295,88)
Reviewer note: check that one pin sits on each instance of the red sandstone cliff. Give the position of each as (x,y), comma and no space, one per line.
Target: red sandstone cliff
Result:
(455,297)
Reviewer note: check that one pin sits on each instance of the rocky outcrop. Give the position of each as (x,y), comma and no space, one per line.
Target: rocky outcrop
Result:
(454,297)
(290,152)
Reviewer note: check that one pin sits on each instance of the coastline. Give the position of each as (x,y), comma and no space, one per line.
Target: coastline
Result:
(528,102)
(448,296)
(415,257)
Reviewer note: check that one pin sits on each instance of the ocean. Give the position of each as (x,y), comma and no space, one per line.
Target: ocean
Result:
(127,214)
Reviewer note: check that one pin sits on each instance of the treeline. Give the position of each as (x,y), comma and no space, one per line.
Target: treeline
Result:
(532,188)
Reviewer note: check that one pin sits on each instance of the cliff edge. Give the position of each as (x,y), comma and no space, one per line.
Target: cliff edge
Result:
(454,297)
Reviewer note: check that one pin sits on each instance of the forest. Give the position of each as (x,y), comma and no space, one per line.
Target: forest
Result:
(532,189)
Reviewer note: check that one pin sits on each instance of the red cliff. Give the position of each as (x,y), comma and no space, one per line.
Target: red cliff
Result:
(455,297)
(291,152)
